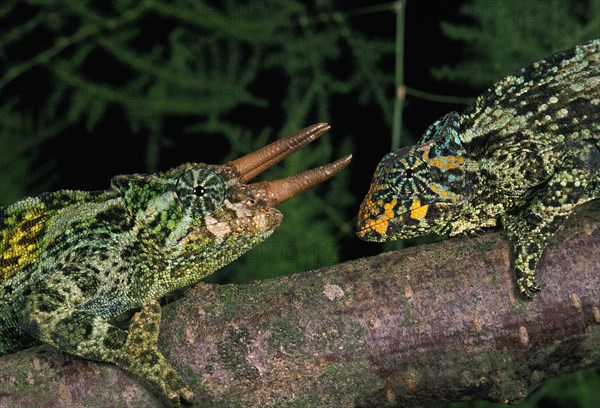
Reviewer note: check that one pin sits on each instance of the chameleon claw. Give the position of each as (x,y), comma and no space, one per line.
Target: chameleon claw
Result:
(528,286)
(182,398)
(526,294)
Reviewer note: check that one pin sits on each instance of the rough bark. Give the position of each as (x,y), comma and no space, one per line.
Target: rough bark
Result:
(417,327)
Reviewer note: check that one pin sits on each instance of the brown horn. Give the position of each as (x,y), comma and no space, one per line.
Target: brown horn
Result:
(252,164)
(278,191)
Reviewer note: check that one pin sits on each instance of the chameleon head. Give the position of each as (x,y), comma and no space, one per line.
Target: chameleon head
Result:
(418,189)
(205,216)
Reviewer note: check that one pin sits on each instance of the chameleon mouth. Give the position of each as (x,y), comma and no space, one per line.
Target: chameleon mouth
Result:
(378,226)
(261,221)
(277,191)
(376,229)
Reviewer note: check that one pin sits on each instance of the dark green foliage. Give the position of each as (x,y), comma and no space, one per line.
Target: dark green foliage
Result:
(20,134)
(505,35)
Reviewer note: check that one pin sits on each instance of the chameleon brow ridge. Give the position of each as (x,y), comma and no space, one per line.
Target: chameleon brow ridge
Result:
(256,162)
(278,191)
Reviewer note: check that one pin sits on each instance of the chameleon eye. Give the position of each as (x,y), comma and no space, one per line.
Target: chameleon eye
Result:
(407,173)
(201,189)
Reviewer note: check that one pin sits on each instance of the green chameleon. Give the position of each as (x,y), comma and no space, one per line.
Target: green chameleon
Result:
(71,262)
(524,154)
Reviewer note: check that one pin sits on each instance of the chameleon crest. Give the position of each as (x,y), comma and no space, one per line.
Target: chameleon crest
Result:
(72,262)
(524,155)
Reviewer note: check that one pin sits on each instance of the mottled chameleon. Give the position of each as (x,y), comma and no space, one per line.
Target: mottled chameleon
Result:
(525,153)
(72,261)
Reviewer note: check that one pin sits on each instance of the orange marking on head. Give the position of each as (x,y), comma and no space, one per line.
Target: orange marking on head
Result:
(381,227)
(447,163)
(418,211)
(389,208)
(378,224)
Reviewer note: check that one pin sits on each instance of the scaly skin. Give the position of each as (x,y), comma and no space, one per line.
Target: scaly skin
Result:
(525,154)
(72,261)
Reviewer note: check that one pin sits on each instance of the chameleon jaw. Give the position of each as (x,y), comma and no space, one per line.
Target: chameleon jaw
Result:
(379,228)
(277,191)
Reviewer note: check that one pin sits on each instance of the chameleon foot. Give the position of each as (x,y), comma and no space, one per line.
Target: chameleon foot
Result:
(142,357)
(528,286)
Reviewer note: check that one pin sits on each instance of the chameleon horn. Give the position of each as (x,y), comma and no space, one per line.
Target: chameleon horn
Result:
(256,162)
(278,191)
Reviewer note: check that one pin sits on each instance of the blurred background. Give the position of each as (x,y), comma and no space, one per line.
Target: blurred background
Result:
(89,90)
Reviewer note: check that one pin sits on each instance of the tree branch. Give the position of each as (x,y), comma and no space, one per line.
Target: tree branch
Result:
(428,324)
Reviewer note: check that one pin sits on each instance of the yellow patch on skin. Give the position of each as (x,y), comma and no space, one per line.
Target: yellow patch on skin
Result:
(380,225)
(418,211)
(389,208)
(16,253)
(447,163)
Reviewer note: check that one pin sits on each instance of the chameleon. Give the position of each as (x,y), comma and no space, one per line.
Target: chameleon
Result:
(72,262)
(523,155)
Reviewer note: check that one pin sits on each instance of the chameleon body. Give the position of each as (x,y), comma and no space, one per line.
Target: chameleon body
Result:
(524,155)
(71,262)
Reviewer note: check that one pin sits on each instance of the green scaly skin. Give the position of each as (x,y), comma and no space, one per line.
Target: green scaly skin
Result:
(525,154)
(71,261)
